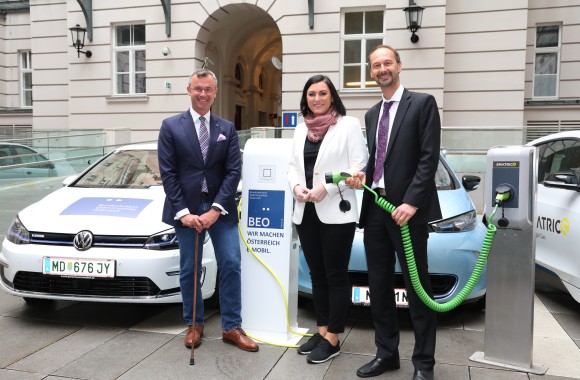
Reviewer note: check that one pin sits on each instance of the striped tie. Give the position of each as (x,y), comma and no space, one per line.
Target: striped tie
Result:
(204,145)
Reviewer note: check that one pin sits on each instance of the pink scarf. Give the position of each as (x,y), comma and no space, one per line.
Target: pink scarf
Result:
(318,125)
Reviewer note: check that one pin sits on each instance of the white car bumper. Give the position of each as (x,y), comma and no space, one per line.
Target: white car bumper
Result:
(141,275)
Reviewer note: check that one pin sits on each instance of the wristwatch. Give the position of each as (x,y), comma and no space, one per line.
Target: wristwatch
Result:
(216,208)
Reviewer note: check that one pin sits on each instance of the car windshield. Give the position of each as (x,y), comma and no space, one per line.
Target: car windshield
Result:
(124,169)
(443,178)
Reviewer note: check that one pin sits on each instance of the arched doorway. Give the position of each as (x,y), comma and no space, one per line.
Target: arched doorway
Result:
(240,41)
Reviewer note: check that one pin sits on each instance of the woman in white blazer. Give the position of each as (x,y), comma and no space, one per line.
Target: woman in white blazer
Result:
(325,214)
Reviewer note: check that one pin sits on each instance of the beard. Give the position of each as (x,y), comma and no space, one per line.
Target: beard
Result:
(388,81)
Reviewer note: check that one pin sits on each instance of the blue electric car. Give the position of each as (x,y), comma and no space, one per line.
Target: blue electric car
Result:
(453,247)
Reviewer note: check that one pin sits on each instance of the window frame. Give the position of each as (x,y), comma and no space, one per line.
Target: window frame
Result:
(551,50)
(132,49)
(363,37)
(25,67)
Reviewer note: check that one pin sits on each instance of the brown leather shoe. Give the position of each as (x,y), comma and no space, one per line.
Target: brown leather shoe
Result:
(238,337)
(193,336)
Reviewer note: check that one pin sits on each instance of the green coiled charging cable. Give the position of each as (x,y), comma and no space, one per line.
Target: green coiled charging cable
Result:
(336,177)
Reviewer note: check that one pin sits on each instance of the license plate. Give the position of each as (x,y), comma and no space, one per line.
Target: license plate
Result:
(57,266)
(361,296)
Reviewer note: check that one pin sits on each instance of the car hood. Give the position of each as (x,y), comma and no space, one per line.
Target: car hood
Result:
(101,211)
(452,202)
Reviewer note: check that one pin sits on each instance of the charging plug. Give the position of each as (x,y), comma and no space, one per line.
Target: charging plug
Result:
(503,193)
(336,177)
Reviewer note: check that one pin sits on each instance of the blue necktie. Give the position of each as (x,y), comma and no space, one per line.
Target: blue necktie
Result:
(204,145)
(383,136)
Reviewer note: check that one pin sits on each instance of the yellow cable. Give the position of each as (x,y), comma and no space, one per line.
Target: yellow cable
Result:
(279,284)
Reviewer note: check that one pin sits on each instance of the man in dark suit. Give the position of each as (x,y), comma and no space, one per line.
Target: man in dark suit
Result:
(200,163)
(401,169)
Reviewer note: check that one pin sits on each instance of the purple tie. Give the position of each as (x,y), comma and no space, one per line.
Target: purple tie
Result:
(204,144)
(382,142)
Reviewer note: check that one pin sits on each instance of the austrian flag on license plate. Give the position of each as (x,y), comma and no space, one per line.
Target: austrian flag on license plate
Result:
(78,267)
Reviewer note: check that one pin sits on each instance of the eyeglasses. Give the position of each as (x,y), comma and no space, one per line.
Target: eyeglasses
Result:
(199,90)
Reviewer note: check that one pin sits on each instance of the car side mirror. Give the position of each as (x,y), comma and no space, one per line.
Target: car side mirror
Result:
(470,182)
(68,180)
(562,180)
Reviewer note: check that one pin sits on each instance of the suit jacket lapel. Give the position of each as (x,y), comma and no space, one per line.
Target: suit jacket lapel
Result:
(326,141)
(189,130)
(372,127)
(214,132)
(188,127)
(398,122)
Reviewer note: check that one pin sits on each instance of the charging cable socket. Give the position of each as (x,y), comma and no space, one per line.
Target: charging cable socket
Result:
(503,193)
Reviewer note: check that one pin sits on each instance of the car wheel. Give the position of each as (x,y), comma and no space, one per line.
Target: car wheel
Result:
(477,305)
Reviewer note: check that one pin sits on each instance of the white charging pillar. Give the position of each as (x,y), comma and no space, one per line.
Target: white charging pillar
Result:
(266,223)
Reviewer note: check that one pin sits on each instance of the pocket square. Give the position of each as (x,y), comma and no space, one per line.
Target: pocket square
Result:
(221,137)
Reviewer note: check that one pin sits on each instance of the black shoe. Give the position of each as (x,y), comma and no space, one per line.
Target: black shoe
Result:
(323,351)
(307,347)
(423,374)
(378,366)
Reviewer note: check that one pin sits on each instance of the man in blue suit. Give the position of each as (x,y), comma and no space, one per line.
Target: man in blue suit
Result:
(200,163)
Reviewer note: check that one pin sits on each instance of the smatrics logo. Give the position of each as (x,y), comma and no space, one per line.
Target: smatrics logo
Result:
(553,225)
(506,164)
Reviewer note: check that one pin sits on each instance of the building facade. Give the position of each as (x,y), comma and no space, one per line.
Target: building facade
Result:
(491,64)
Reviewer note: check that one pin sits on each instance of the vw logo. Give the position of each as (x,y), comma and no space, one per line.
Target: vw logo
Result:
(83,240)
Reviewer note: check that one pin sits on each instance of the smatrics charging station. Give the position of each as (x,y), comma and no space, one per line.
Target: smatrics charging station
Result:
(509,314)
(270,272)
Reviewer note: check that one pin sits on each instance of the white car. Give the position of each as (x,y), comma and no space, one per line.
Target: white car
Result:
(100,238)
(558,208)
(20,163)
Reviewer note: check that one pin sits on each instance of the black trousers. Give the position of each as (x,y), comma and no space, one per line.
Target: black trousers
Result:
(327,251)
(382,238)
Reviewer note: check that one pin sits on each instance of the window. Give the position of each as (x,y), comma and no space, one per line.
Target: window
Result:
(560,156)
(361,32)
(129,58)
(25,79)
(239,75)
(547,61)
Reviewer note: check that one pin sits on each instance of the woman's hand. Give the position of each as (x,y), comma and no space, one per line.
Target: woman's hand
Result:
(301,193)
(317,194)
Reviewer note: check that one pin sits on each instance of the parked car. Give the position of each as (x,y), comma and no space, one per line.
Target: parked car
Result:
(453,247)
(100,238)
(558,208)
(21,163)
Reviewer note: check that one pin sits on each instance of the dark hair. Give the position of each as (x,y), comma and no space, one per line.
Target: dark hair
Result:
(397,56)
(336,101)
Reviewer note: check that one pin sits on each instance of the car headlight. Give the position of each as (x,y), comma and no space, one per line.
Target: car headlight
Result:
(17,233)
(162,241)
(166,240)
(460,223)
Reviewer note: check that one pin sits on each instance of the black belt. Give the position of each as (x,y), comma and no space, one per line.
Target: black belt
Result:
(381,191)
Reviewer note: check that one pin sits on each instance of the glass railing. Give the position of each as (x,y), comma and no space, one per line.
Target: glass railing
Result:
(51,154)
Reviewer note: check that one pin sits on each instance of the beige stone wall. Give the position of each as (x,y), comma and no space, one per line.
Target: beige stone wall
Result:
(476,58)
(565,114)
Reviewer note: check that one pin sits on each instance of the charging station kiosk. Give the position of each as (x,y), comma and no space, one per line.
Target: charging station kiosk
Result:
(509,314)
(266,223)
